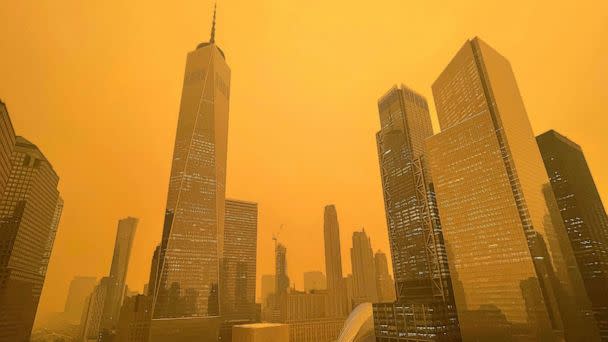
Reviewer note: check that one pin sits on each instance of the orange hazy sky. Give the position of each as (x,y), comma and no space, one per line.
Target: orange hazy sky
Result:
(96,85)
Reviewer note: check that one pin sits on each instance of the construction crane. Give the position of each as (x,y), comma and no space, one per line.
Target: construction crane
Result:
(275,236)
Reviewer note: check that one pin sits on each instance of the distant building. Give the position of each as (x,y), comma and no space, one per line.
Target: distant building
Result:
(314,280)
(336,286)
(239,259)
(268,285)
(281,277)
(125,233)
(134,320)
(384,281)
(30,209)
(363,266)
(238,267)
(583,214)
(260,332)
(80,288)
(91,319)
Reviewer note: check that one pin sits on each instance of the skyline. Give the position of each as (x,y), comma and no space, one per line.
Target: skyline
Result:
(351,210)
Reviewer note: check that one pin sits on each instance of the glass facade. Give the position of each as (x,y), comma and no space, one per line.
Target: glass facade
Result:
(424,309)
(30,209)
(508,257)
(193,233)
(583,215)
(239,261)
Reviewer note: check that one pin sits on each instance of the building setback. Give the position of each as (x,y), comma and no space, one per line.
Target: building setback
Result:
(509,264)
(30,209)
(336,285)
(80,288)
(583,214)
(364,274)
(424,309)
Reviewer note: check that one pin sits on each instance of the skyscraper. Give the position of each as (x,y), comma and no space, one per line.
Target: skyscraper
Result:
(424,308)
(281,277)
(30,209)
(125,234)
(509,258)
(364,274)
(384,281)
(238,271)
(7,145)
(333,262)
(92,315)
(583,215)
(186,298)
(80,288)
(239,262)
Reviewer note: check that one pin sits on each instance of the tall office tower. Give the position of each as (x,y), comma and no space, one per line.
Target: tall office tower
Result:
(583,215)
(125,234)
(239,261)
(238,266)
(29,216)
(267,288)
(280,270)
(364,274)
(186,296)
(384,281)
(92,314)
(314,280)
(424,308)
(510,260)
(333,262)
(7,145)
(80,288)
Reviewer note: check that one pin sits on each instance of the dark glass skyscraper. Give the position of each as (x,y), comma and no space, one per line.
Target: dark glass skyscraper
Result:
(186,298)
(30,209)
(583,214)
(424,308)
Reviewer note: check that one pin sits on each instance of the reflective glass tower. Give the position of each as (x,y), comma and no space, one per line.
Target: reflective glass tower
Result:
(583,214)
(513,271)
(186,298)
(424,308)
(239,260)
(30,209)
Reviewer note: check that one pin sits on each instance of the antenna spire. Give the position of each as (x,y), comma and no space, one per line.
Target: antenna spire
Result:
(212,39)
